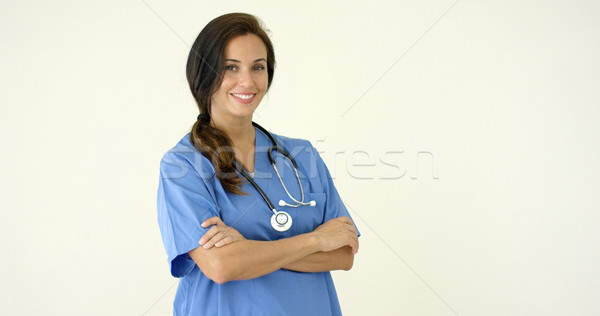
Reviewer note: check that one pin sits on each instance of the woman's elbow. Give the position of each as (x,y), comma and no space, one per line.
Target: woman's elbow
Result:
(212,265)
(348,263)
(219,279)
(217,270)
(348,259)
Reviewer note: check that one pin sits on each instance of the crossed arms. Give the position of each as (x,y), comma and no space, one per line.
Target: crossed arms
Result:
(225,255)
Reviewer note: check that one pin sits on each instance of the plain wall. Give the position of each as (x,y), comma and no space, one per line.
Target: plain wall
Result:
(466,148)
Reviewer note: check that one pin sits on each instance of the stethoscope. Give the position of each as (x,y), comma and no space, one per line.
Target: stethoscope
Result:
(280,221)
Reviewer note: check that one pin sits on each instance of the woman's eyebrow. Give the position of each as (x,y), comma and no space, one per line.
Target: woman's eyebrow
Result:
(237,61)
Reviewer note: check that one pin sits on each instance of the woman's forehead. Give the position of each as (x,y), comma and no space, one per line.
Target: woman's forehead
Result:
(246,48)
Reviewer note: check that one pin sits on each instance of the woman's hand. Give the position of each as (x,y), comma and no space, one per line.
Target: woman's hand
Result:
(336,233)
(219,235)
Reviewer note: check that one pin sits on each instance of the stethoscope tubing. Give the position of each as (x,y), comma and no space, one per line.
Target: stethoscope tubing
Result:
(282,151)
(257,187)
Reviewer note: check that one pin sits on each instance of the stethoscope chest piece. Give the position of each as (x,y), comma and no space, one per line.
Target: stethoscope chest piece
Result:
(281,221)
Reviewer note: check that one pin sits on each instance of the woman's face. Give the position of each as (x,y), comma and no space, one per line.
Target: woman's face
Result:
(245,79)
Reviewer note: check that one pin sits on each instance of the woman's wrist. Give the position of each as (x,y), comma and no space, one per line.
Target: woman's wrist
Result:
(313,240)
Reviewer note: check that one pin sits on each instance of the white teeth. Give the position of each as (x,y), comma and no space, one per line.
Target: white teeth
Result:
(243,96)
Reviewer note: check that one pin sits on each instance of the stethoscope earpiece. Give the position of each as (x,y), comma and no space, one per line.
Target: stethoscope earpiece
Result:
(312,203)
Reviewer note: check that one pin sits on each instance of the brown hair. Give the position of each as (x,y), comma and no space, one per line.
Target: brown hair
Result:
(205,67)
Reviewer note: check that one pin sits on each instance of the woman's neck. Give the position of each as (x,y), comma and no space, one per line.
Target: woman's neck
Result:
(241,133)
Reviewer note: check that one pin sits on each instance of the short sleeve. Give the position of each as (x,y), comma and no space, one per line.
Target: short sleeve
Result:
(183,203)
(334,207)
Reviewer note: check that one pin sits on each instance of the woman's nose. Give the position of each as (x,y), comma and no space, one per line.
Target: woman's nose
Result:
(245,79)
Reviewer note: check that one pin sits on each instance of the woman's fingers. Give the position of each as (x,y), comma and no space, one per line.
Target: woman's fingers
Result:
(354,242)
(339,224)
(219,234)
(338,232)
(225,241)
(343,219)
(209,234)
(212,221)
(211,242)
(226,236)
(218,224)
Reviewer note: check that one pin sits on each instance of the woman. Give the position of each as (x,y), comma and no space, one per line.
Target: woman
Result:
(236,252)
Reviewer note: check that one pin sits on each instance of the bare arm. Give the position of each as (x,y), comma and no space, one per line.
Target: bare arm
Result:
(339,259)
(245,259)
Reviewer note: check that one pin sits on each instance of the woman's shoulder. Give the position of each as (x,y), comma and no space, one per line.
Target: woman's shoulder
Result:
(293,144)
(303,152)
(185,155)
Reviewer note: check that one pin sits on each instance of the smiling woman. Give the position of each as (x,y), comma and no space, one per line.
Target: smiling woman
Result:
(220,57)
(244,81)
(235,252)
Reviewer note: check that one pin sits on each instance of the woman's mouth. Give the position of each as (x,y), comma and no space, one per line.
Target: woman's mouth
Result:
(245,98)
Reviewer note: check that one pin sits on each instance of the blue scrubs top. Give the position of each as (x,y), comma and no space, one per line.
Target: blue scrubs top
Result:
(189,193)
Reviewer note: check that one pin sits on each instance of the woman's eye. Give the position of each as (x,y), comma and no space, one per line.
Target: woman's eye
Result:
(230,67)
(259,67)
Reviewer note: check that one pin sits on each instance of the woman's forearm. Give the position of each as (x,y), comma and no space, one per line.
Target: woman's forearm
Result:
(249,259)
(246,259)
(339,259)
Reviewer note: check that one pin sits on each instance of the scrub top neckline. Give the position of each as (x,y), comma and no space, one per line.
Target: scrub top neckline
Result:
(261,161)
(256,132)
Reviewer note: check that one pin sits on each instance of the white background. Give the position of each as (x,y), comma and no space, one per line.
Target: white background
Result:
(499,217)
